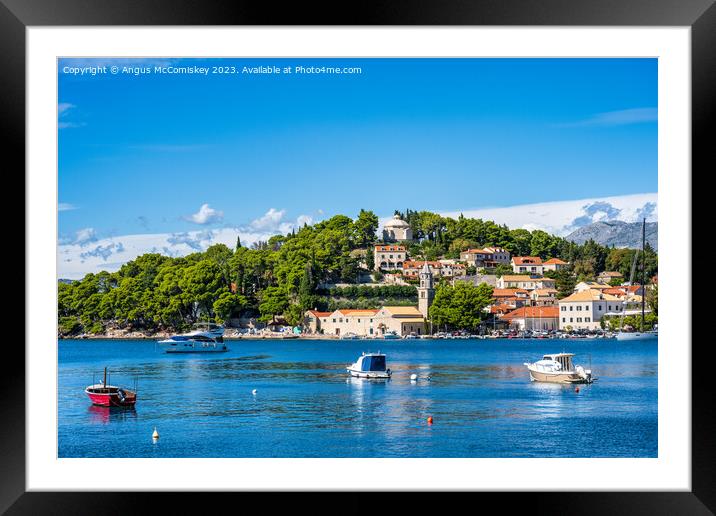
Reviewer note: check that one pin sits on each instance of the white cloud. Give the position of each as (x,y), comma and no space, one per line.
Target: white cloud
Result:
(563,217)
(81,238)
(206,215)
(304,219)
(65,206)
(271,220)
(75,260)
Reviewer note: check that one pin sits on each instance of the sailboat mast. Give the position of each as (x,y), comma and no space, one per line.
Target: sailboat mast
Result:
(643,271)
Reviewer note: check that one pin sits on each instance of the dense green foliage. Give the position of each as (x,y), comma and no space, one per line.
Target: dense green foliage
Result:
(460,307)
(282,277)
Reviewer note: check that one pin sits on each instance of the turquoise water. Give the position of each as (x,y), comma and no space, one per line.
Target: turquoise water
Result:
(479,396)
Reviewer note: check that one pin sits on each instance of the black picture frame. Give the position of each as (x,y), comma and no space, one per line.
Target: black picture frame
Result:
(17,15)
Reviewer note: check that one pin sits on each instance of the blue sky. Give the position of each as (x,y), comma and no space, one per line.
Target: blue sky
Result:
(157,154)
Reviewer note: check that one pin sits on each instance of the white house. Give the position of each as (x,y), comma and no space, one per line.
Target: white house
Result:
(524,281)
(487,257)
(527,265)
(584,309)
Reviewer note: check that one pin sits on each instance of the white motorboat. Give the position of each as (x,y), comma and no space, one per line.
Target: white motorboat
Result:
(558,368)
(370,365)
(204,338)
(391,335)
(350,336)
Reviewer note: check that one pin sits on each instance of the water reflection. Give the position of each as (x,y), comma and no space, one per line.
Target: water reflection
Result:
(105,415)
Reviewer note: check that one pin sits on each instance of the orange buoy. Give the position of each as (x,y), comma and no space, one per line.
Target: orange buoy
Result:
(430,420)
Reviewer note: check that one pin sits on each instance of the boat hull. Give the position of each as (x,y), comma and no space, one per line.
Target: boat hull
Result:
(192,347)
(112,399)
(567,377)
(369,374)
(636,336)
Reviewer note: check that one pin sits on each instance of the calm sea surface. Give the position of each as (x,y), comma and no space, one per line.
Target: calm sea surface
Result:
(479,395)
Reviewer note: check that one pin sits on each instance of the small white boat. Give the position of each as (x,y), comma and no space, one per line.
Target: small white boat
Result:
(558,368)
(205,338)
(391,335)
(369,365)
(349,336)
(411,336)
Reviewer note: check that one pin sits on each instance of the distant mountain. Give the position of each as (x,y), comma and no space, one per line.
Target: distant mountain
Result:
(616,233)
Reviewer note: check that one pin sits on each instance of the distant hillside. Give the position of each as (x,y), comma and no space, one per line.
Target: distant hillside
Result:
(616,233)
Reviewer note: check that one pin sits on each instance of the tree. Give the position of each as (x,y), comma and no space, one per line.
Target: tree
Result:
(274,301)
(564,282)
(365,227)
(227,305)
(460,306)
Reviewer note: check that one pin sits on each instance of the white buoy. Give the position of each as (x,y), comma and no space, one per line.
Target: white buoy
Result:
(253,392)
(155,434)
(413,377)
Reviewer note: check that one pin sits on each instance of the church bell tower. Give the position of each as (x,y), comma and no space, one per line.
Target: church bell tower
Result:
(426,292)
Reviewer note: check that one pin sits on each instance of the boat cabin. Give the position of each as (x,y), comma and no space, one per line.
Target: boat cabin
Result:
(373,362)
(563,359)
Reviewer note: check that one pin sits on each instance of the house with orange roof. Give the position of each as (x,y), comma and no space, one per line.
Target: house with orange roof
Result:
(540,318)
(608,276)
(444,268)
(486,257)
(312,320)
(543,297)
(343,321)
(513,297)
(554,264)
(527,265)
(524,281)
(389,257)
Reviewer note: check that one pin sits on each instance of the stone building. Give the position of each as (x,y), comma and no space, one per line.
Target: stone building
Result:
(397,230)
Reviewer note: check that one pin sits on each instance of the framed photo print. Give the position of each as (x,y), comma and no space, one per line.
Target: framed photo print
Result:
(426,248)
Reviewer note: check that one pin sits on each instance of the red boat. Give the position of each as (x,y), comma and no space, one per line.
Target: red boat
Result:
(110,395)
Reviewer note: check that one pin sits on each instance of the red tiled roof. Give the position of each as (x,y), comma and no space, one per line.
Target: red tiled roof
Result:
(501,292)
(349,311)
(478,251)
(527,260)
(419,263)
(554,261)
(397,248)
(534,312)
(320,314)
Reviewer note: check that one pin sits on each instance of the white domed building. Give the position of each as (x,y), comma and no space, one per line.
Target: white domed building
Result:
(397,230)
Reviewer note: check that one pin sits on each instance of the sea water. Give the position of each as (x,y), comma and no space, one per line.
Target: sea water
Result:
(478,393)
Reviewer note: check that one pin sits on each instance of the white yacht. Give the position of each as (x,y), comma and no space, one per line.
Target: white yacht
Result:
(369,365)
(204,338)
(558,368)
